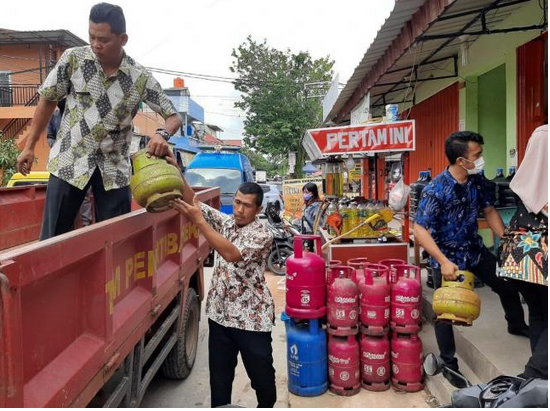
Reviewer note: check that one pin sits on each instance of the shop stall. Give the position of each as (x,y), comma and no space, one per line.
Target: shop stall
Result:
(360,163)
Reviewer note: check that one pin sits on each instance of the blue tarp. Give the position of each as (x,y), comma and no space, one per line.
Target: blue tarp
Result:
(183,143)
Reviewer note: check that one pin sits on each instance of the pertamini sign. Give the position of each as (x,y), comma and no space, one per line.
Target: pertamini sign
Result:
(373,138)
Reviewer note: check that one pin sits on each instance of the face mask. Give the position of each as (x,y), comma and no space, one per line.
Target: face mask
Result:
(479,165)
(308,197)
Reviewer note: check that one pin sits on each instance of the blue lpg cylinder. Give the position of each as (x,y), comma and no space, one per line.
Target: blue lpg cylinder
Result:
(306,357)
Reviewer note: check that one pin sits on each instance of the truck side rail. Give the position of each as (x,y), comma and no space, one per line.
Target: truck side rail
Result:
(74,306)
(21,210)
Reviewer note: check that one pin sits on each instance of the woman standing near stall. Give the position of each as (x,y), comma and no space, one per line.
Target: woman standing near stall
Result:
(311,207)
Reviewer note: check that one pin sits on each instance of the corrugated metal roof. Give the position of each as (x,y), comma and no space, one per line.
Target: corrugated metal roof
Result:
(401,13)
(452,20)
(62,37)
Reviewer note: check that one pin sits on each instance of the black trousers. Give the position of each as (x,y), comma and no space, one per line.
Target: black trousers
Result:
(224,345)
(509,298)
(536,297)
(63,202)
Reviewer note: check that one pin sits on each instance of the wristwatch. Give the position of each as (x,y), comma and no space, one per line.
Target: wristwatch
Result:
(163,133)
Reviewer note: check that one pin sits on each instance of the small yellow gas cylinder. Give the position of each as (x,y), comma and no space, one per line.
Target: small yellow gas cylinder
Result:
(456,301)
(154,182)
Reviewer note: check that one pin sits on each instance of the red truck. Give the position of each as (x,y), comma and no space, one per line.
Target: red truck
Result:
(89,317)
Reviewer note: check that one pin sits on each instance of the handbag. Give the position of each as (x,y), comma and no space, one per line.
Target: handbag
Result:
(523,250)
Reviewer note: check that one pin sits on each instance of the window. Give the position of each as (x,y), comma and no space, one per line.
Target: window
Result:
(228,180)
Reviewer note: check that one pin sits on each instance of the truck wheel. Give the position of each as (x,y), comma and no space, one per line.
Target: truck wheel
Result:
(180,361)
(277,260)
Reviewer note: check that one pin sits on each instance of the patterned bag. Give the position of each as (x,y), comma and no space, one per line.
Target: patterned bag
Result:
(523,250)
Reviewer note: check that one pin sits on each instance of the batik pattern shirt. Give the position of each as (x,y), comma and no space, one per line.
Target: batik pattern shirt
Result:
(239,296)
(450,211)
(96,128)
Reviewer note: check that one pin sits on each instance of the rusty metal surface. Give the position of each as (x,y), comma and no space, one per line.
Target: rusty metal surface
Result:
(78,303)
(21,210)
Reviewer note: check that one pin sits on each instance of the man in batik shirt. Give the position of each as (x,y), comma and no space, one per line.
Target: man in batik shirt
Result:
(103,87)
(239,305)
(446,226)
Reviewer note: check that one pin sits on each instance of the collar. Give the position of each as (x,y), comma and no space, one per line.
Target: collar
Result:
(450,179)
(238,228)
(125,64)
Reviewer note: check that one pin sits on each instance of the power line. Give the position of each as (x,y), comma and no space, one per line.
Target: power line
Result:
(223,114)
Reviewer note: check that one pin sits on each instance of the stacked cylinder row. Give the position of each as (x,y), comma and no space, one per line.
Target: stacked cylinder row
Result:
(362,302)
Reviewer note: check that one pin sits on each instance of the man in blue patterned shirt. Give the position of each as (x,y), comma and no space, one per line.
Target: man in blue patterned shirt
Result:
(446,226)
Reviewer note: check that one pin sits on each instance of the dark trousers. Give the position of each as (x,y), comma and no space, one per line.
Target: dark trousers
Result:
(509,298)
(63,202)
(536,297)
(224,345)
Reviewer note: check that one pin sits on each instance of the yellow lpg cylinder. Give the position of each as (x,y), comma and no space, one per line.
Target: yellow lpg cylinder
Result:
(456,301)
(154,182)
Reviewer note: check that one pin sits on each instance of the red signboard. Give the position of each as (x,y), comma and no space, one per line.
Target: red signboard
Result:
(369,138)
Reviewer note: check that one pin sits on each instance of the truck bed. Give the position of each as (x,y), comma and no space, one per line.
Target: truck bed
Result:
(73,307)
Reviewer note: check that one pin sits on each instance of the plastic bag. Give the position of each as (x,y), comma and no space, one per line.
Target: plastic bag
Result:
(399,195)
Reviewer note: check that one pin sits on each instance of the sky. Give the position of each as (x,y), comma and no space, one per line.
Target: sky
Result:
(198,36)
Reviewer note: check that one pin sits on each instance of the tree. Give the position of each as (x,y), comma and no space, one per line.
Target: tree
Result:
(273,165)
(274,86)
(8,159)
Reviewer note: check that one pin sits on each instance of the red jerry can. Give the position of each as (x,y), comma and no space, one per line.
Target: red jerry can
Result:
(358,264)
(343,365)
(375,363)
(342,302)
(375,300)
(406,300)
(305,281)
(406,357)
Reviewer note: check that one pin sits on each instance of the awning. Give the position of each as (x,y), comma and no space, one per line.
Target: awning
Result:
(309,168)
(184,143)
(62,37)
(419,42)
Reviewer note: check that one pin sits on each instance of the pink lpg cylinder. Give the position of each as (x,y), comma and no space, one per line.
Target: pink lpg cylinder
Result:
(375,300)
(331,263)
(359,264)
(305,281)
(375,363)
(390,263)
(342,302)
(406,300)
(406,357)
(343,365)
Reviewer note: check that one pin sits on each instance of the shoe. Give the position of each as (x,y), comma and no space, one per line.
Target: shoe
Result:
(454,380)
(522,332)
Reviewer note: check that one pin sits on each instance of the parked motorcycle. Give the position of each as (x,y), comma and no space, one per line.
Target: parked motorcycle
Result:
(283,235)
(501,392)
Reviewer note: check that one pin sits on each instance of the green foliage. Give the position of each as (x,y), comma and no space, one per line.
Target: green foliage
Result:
(275,86)
(8,158)
(273,165)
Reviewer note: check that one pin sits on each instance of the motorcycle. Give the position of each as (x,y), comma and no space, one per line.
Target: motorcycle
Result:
(501,392)
(283,236)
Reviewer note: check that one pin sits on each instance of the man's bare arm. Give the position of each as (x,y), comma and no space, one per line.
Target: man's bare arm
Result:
(42,116)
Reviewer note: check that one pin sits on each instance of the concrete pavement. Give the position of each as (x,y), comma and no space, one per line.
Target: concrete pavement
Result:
(195,390)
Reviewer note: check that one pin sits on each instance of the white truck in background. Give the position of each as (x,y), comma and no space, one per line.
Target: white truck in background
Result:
(261,176)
